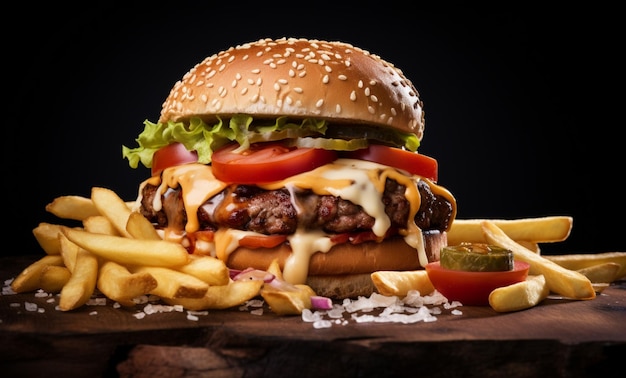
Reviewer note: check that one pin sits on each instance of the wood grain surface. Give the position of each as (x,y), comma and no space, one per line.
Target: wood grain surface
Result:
(559,337)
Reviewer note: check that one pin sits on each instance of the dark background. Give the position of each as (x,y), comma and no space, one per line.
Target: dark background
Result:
(518,107)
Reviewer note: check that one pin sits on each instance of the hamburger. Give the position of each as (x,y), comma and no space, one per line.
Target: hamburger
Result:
(299,150)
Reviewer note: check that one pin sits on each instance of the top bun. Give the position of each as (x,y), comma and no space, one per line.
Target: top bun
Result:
(299,78)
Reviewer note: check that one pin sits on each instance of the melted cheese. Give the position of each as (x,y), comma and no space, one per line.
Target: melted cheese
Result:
(358,181)
(197,184)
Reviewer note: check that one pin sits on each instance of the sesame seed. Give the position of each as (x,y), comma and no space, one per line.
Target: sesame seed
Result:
(204,98)
(282,81)
(338,108)
(353,96)
(244,91)
(255,98)
(234,83)
(256,71)
(222,67)
(342,77)
(298,90)
(371,109)
(319,103)
(276,87)
(325,79)
(374,98)
(360,84)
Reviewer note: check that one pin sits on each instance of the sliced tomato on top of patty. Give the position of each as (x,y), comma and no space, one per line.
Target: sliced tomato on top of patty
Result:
(266,162)
(411,162)
(170,156)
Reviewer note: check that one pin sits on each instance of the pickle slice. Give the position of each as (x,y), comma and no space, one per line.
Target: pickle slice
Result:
(476,257)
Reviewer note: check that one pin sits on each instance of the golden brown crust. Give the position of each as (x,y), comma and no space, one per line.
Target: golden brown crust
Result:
(344,271)
(300,78)
(344,259)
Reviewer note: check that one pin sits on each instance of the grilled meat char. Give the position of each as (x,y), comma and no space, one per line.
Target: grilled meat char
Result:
(250,208)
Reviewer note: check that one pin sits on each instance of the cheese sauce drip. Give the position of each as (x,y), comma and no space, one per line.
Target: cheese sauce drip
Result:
(358,181)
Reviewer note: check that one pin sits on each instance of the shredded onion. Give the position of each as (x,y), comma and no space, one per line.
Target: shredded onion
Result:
(321,303)
(254,274)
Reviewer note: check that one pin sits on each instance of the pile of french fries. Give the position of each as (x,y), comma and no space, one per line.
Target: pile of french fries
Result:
(572,276)
(118,252)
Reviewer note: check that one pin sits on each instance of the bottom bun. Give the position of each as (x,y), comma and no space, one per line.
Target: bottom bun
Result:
(345,270)
(340,287)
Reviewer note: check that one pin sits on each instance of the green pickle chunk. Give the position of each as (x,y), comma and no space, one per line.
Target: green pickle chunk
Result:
(476,257)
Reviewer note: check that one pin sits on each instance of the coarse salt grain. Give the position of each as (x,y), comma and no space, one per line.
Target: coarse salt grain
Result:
(410,309)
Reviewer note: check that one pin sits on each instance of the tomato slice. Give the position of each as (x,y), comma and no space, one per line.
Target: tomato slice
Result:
(170,156)
(262,241)
(473,288)
(412,162)
(265,162)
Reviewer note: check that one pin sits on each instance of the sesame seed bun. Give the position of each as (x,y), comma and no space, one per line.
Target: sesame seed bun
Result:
(298,77)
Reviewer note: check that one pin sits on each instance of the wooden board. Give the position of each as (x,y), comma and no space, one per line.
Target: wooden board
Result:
(556,338)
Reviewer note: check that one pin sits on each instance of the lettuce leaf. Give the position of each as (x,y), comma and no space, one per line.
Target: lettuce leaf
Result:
(204,139)
(197,135)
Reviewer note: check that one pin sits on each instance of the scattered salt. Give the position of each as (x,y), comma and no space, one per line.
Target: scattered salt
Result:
(93,313)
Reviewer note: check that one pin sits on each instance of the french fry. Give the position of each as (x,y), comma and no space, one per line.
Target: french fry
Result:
(174,284)
(400,283)
(274,268)
(521,295)
(286,302)
(601,273)
(72,207)
(581,261)
(47,235)
(209,269)
(69,251)
(139,227)
(537,230)
(81,284)
(28,279)
(113,207)
(565,282)
(235,293)
(53,278)
(99,224)
(127,251)
(530,245)
(119,284)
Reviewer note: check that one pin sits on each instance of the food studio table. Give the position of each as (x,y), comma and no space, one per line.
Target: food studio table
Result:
(557,338)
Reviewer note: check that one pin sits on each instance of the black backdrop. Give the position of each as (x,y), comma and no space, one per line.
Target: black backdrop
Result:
(510,101)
